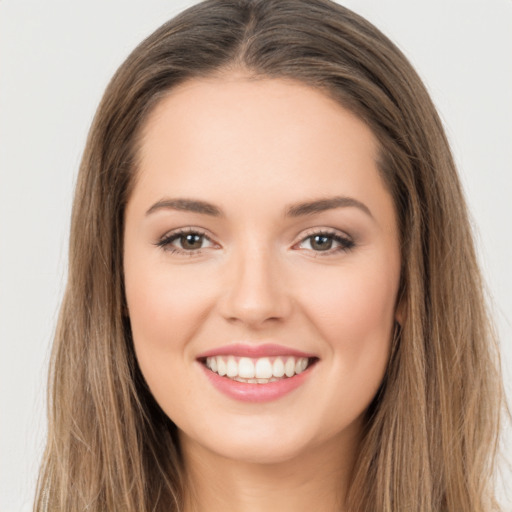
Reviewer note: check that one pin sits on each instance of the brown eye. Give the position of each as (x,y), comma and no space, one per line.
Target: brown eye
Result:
(328,243)
(185,242)
(321,242)
(191,241)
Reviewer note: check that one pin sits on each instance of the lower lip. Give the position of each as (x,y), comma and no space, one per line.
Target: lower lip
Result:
(246,392)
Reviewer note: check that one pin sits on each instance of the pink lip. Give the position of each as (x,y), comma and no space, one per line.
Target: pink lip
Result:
(256,393)
(261,350)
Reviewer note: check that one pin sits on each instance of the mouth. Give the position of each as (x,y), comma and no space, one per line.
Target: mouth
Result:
(256,372)
(260,370)
(257,379)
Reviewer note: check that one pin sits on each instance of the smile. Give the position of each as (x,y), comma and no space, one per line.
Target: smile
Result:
(256,373)
(261,370)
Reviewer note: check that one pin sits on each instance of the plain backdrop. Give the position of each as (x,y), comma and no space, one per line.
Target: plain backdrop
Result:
(56,58)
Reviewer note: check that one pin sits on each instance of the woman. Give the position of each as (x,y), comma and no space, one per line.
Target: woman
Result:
(273,299)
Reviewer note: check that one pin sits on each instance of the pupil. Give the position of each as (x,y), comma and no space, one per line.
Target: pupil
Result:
(321,242)
(191,241)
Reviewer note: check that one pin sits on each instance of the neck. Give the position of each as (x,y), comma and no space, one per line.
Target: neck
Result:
(317,480)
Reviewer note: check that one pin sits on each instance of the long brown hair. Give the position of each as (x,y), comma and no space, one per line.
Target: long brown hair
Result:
(431,432)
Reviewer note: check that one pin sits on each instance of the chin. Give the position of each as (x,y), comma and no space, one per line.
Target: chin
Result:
(261,453)
(255,442)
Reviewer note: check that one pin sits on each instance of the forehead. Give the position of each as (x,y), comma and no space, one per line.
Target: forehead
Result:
(271,138)
(260,111)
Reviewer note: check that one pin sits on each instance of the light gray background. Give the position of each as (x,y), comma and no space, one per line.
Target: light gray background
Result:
(56,58)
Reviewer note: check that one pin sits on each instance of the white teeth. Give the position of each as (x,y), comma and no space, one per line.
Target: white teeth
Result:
(301,365)
(263,368)
(278,367)
(256,371)
(246,368)
(231,367)
(211,362)
(221,367)
(289,367)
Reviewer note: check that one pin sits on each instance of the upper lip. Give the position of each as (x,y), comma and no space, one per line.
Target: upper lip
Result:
(254,351)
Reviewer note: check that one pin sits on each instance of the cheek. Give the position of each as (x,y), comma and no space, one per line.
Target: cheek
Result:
(354,311)
(164,306)
(352,303)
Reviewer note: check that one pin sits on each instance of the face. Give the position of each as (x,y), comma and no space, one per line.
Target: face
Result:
(261,265)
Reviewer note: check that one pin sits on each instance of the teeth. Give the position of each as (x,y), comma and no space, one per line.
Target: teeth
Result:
(263,368)
(246,368)
(231,367)
(221,366)
(289,367)
(257,371)
(301,365)
(278,367)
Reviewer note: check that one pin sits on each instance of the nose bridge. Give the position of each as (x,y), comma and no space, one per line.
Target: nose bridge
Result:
(255,291)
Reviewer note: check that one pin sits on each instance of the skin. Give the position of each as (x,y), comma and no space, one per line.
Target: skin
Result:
(252,148)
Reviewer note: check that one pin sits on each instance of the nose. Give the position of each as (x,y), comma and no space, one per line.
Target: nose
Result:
(256,292)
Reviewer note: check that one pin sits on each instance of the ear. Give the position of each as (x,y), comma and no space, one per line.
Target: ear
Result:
(400,310)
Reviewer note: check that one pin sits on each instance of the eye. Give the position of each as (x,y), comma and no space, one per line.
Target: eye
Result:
(326,242)
(186,241)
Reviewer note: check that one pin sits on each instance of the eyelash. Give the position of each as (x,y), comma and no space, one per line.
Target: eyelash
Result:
(345,243)
(165,242)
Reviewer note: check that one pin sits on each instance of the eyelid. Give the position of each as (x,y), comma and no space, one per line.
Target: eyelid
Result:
(164,242)
(345,241)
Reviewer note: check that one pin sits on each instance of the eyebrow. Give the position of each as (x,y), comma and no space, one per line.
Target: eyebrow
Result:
(295,210)
(321,205)
(187,205)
